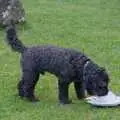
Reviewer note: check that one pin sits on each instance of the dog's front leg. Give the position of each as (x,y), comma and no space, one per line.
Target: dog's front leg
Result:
(80,89)
(63,92)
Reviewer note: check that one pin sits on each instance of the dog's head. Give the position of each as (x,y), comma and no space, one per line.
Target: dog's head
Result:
(96,79)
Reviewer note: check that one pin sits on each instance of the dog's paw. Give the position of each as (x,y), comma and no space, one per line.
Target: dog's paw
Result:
(81,97)
(30,99)
(63,102)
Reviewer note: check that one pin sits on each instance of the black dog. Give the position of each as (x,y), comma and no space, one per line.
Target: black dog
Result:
(67,64)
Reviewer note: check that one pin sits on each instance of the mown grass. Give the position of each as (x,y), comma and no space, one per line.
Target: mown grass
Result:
(89,26)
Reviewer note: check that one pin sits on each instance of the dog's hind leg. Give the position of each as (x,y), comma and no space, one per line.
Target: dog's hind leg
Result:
(27,85)
(63,92)
(80,89)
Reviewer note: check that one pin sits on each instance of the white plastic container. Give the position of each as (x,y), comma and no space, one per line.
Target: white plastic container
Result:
(108,100)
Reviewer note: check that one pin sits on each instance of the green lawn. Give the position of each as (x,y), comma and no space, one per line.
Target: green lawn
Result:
(92,26)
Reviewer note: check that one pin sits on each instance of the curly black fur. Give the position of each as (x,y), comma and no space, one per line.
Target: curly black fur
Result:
(67,64)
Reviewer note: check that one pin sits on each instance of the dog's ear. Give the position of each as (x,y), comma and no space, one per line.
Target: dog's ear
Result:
(103,72)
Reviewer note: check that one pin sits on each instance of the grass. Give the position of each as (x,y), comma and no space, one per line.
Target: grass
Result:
(90,26)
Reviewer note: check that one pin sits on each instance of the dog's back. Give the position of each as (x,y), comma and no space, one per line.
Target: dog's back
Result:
(49,59)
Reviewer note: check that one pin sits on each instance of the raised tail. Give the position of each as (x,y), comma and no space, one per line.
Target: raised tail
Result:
(12,38)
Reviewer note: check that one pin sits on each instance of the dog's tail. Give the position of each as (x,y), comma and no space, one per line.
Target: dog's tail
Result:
(12,38)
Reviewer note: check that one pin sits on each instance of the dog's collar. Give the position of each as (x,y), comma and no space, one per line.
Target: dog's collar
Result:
(85,65)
